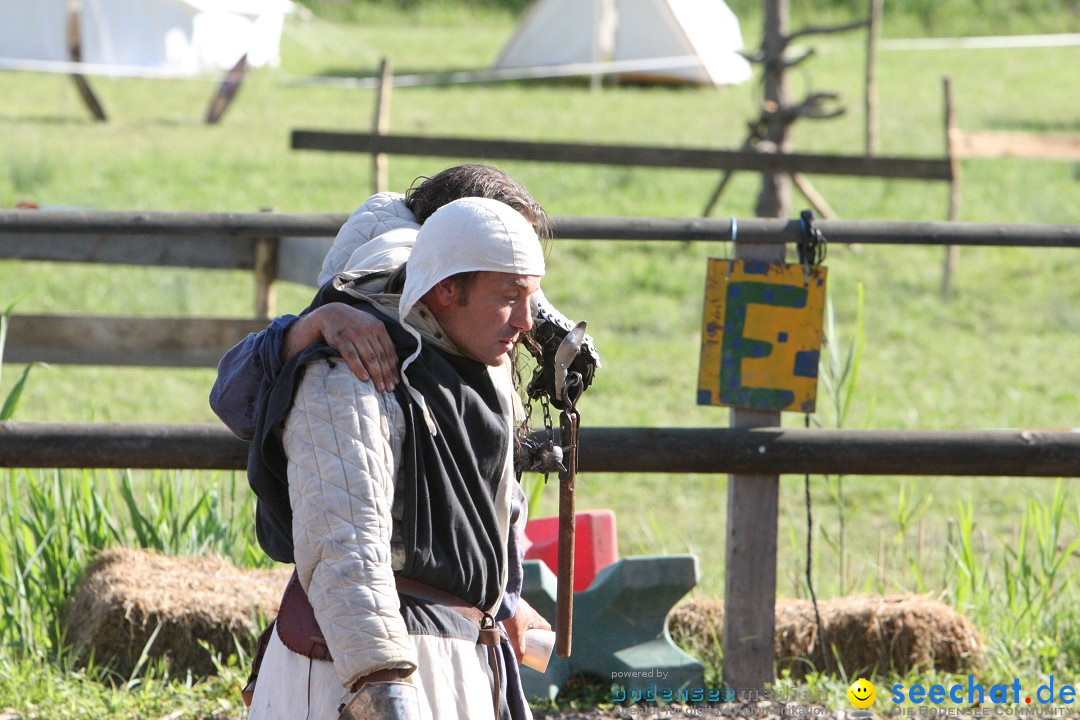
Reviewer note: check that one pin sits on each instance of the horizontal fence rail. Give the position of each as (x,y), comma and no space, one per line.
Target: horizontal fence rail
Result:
(299,241)
(125,341)
(58,234)
(912,168)
(198,224)
(759,451)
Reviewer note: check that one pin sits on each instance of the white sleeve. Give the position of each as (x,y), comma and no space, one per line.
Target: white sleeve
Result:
(343,441)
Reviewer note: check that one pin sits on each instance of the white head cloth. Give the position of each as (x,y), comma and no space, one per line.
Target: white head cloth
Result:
(467,235)
(388,251)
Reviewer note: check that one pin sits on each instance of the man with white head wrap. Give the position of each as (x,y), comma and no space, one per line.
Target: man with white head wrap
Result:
(402,503)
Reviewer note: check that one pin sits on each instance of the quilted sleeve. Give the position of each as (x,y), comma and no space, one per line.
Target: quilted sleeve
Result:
(343,440)
(379,214)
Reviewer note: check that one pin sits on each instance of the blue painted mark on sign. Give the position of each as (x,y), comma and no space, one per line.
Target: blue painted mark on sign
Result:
(806,363)
(781,337)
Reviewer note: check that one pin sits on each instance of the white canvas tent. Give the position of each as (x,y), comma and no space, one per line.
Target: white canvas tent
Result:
(170,37)
(694,41)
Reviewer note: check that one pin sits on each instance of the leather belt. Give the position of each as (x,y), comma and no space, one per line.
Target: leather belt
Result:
(420,591)
(489,636)
(300,632)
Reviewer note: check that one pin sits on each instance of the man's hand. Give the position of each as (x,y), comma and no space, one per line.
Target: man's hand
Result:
(524,619)
(359,337)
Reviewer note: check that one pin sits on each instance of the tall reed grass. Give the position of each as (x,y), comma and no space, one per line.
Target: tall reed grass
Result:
(1022,590)
(52,523)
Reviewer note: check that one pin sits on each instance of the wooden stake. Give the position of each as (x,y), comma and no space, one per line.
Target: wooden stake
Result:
(951,251)
(813,196)
(381,161)
(230,84)
(75,52)
(873,32)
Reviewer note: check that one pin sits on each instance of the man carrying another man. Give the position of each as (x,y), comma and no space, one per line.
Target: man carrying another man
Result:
(403,503)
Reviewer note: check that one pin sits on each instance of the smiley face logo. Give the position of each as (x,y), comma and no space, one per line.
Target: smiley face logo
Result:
(862,693)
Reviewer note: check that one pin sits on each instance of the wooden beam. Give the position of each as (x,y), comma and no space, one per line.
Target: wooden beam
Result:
(121,445)
(135,341)
(772,450)
(299,259)
(154,250)
(912,168)
(889,453)
(1036,146)
(216,225)
(21,230)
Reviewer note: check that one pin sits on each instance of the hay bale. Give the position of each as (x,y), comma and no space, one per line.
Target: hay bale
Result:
(125,594)
(864,635)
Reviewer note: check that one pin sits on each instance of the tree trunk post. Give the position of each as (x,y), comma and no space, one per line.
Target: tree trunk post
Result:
(775,197)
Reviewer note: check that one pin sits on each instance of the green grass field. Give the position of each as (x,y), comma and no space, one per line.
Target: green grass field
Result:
(999,354)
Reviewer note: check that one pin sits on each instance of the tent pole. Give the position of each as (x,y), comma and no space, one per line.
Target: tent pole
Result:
(75,52)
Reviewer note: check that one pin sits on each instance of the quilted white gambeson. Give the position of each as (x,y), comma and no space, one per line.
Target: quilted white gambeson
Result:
(343,440)
(379,214)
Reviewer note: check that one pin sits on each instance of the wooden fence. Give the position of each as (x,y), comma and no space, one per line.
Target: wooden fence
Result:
(911,168)
(291,246)
(979,453)
(755,451)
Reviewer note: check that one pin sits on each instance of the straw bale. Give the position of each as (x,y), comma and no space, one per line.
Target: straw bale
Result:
(125,594)
(864,635)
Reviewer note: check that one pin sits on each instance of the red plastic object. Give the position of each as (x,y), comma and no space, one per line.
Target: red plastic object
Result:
(596,546)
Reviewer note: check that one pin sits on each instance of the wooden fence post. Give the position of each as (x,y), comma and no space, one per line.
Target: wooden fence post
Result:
(381,162)
(266,251)
(265,270)
(873,32)
(750,562)
(951,251)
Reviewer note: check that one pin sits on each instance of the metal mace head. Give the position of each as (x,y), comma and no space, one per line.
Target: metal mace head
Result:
(564,355)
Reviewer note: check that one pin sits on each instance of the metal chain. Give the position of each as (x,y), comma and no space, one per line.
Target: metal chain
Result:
(549,430)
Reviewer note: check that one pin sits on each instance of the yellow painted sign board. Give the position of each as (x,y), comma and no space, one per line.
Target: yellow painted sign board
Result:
(761,335)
